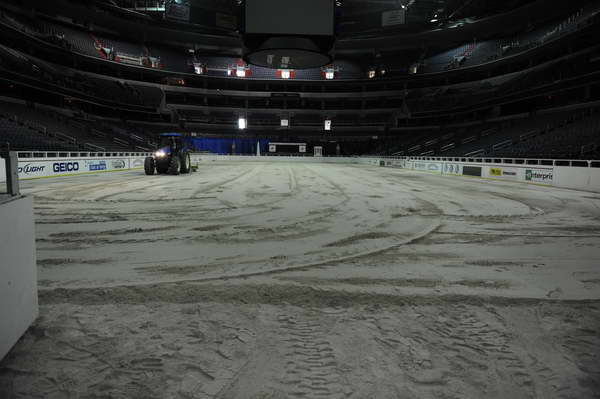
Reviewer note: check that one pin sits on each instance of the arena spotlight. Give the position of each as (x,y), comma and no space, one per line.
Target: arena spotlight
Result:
(328,124)
(285,122)
(242,123)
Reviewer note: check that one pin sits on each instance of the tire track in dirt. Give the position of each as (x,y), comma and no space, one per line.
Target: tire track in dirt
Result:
(77,188)
(472,343)
(310,368)
(244,173)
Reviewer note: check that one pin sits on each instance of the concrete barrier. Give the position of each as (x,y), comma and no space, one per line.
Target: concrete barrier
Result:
(527,171)
(18,270)
(571,177)
(2,175)
(36,168)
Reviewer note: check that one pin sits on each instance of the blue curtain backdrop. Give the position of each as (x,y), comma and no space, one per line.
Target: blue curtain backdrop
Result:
(223,146)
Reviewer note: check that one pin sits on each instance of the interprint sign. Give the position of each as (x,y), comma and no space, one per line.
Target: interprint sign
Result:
(541,176)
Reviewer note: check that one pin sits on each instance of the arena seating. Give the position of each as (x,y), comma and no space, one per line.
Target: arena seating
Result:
(41,128)
(560,134)
(575,137)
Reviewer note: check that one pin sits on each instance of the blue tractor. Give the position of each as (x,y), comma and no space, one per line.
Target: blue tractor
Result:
(172,157)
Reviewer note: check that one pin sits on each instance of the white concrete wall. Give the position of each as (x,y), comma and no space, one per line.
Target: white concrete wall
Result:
(587,179)
(2,175)
(18,273)
(35,168)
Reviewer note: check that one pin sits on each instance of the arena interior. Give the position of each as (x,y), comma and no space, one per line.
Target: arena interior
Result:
(259,199)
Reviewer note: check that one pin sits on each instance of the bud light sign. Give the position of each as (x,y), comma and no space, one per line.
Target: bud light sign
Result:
(31,169)
(61,167)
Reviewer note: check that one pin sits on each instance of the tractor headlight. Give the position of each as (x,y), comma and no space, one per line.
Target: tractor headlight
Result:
(159,154)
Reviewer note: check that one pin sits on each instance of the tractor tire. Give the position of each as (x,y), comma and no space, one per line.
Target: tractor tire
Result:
(174,166)
(186,162)
(149,166)
(162,167)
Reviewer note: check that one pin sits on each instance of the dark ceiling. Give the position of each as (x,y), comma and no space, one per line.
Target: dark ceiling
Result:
(358,16)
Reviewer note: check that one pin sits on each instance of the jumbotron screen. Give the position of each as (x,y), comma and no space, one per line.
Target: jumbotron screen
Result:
(290,17)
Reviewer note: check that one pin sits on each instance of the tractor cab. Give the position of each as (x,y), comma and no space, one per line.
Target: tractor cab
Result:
(171,141)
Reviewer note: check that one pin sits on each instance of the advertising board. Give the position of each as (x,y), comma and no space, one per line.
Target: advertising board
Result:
(434,167)
(504,173)
(136,163)
(540,176)
(472,171)
(453,169)
(397,163)
(31,169)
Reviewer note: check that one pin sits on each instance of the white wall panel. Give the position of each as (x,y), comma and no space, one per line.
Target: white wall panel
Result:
(18,273)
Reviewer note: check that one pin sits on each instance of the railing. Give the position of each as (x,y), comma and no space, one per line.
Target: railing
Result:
(71,154)
(579,163)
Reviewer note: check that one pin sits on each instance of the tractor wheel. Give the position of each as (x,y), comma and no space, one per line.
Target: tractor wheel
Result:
(149,166)
(186,163)
(174,166)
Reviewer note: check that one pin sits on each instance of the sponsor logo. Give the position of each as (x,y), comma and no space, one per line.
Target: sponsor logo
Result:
(505,173)
(496,172)
(138,163)
(420,165)
(539,175)
(452,169)
(118,164)
(29,169)
(65,167)
(433,166)
(472,171)
(96,166)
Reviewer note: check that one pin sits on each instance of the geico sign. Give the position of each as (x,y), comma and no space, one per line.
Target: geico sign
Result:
(66,167)
(29,168)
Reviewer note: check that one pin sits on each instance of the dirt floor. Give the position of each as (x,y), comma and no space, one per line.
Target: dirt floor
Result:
(296,280)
